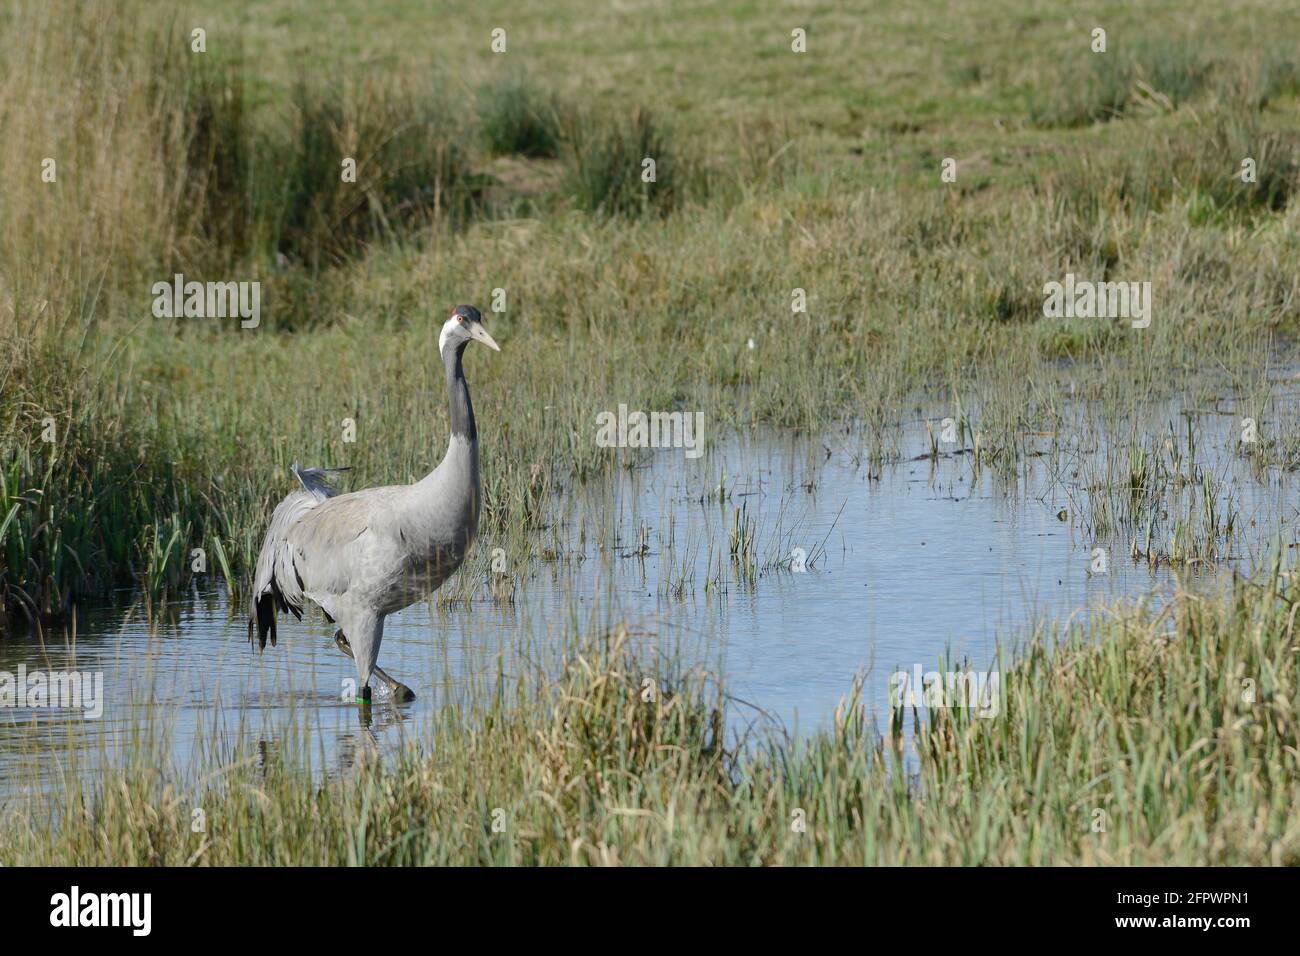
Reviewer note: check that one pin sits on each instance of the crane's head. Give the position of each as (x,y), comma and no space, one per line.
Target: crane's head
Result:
(465,324)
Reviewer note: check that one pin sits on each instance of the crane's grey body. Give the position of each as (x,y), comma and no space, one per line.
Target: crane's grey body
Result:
(364,555)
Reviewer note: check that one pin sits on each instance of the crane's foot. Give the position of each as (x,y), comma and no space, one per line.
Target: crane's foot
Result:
(365,713)
(401,694)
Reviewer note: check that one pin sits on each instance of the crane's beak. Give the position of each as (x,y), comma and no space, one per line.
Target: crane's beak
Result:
(478,332)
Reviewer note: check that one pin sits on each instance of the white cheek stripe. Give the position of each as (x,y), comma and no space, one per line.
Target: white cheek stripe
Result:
(446,330)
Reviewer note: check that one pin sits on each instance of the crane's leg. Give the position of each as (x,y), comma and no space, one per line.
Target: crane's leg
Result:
(401,693)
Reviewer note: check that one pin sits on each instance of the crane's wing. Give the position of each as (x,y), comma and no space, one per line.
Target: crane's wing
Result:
(329,540)
(277,585)
(315,481)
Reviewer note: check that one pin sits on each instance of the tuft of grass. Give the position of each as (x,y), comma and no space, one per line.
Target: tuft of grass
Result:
(1084,94)
(1200,166)
(1252,85)
(1277,75)
(252,189)
(1153,74)
(1169,72)
(86,503)
(216,145)
(517,119)
(410,171)
(607,166)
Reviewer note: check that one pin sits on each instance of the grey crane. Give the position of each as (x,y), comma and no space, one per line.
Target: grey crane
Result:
(363,555)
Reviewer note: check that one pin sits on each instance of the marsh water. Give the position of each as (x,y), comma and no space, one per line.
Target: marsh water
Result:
(856,564)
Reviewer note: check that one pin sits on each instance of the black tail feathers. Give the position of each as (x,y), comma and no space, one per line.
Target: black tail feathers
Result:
(262,619)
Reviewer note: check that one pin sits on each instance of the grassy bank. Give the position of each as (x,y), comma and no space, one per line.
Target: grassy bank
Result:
(1150,738)
(126,441)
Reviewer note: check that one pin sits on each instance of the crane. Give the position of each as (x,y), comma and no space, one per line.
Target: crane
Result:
(364,555)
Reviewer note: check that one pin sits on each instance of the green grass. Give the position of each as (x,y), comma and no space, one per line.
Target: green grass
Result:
(911,284)
(610,171)
(516,120)
(1153,75)
(1148,738)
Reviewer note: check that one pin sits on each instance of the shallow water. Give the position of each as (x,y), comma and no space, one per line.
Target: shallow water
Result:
(923,559)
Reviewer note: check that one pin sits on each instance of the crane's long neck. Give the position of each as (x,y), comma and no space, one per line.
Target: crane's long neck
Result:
(442,511)
(457,475)
(459,406)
